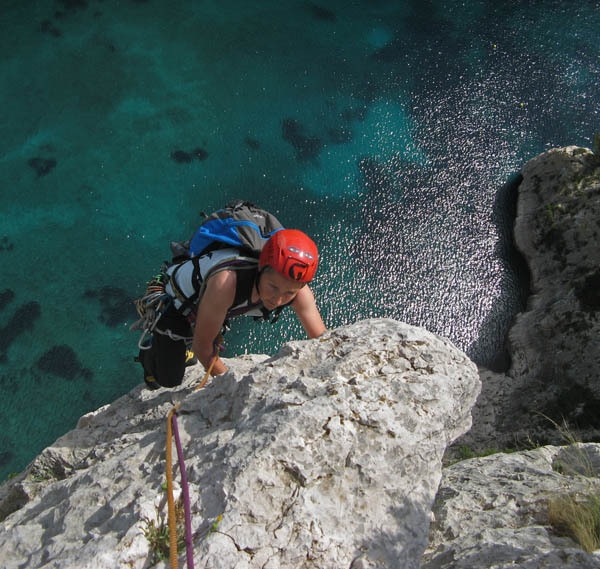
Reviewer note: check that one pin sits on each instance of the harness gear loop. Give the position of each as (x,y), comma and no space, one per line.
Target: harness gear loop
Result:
(151,306)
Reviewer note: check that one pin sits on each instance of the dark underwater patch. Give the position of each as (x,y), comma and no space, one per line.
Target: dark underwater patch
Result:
(181,156)
(252,143)
(47,27)
(6,244)
(390,53)
(339,135)
(73,5)
(200,154)
(306,147)
(42,166)
(354,113)
(22,320)
(62,361)
(6,297)
(6,456)
(184,157)
(9,382)
(116,306)
(320,13)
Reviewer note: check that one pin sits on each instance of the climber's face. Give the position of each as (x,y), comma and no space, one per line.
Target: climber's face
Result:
(276,290)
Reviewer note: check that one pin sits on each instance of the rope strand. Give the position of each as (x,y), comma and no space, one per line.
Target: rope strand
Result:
(170,498)
(172,429)
(189,552)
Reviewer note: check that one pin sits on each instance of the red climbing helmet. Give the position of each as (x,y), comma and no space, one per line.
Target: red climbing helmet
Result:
(292,254)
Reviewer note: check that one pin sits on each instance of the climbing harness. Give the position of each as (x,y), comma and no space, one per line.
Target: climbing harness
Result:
(173,432)
(163,292)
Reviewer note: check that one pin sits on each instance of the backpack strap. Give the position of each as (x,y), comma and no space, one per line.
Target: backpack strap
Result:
(233,263)
(187,303)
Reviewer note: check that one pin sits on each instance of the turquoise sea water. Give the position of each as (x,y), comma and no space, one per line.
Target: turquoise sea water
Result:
(388,130)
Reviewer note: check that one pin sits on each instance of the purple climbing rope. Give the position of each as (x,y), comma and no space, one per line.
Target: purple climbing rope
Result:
(189,551)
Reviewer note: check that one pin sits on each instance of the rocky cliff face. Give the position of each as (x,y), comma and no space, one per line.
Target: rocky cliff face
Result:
(494,511)
(326,455)
(555,344)
(330,454)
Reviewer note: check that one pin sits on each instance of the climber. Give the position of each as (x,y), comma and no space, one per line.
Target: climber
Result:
(207,290)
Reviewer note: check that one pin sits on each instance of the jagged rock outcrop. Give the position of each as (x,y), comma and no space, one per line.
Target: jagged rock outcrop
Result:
(555,343)
(493,512)
(327,455)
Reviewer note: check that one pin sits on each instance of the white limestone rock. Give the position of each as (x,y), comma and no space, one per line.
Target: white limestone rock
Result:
(492,512)
(326,455)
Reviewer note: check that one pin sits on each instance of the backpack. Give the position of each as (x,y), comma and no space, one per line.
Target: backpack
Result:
(240,224)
